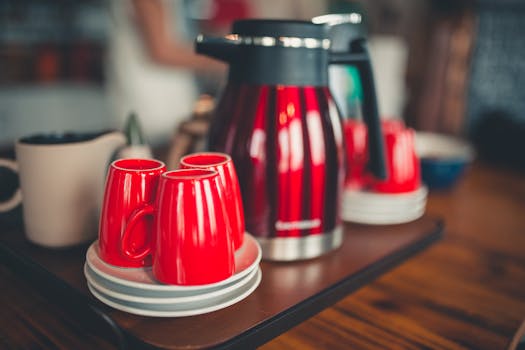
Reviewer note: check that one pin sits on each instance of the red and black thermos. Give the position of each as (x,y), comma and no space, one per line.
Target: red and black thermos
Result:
(278,121)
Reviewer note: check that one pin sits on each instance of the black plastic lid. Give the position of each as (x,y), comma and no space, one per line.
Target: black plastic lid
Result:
(277,28)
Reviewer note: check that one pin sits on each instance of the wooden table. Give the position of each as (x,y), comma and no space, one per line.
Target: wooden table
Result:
(466,291)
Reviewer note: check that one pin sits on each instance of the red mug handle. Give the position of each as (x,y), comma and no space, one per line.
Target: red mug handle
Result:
(125,245)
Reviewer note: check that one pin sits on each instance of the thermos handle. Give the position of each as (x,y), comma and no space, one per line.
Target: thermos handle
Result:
(359,57)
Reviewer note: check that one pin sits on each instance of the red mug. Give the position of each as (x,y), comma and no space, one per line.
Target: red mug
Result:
(130,184)
(403,168)
(223,164)
(191,243)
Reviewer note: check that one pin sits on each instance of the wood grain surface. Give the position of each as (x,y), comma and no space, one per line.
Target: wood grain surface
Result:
(465,292)
(289,293)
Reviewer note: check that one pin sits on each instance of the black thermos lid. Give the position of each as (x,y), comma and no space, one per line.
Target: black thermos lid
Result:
(278,62)
(278,28)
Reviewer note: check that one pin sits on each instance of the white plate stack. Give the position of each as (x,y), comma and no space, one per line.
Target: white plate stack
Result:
(375,208)
(136,291)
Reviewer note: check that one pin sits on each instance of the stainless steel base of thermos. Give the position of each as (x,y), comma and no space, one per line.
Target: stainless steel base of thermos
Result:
(299,248)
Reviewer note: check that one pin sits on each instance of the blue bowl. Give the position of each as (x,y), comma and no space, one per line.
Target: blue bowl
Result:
(443,159)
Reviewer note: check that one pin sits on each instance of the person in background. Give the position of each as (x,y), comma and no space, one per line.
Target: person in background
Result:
(151,65)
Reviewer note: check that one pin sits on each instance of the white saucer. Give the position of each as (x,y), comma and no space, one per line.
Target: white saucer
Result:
(374,208)
(141,282)
(121,293)
(386,199)
(355,208)
(180,309)
(382,219)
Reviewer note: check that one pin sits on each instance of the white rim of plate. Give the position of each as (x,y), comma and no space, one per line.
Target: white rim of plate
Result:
(165,287)
(400,213)
(351,198)
(421,192)
(385,220)
(167,300)
(383,210)
(383,206)
(143,312)
(148,293)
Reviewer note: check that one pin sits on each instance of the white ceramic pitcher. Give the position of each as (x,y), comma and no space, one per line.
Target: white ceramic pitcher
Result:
(61,184)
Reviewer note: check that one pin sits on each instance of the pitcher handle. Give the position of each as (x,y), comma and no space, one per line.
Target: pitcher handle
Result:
(125,245)
(359,57)
(16,198)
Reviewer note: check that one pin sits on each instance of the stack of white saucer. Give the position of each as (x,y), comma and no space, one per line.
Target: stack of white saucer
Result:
(366,207)
(136,291)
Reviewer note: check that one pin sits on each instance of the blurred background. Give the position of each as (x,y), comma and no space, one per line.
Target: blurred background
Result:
(454,67)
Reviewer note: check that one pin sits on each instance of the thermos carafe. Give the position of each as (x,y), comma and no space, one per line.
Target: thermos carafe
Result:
(278,121)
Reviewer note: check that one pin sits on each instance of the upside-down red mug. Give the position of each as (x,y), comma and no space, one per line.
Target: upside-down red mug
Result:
(356,152)
(191,243)
(404,173)
(131,184)
(223,164)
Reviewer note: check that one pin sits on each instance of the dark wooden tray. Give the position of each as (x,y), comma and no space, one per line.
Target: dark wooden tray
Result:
(288,294)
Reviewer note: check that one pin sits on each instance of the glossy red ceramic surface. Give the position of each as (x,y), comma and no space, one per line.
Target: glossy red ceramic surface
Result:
(131,184)
(356,153)
(404,173)
(287,146)
(192,242)
(223,164)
